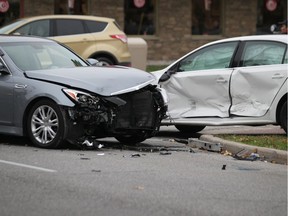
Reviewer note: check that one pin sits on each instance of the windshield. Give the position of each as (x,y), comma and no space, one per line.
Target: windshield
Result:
(41,56)
(7,28)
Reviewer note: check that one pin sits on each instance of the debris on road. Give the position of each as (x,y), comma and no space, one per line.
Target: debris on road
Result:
(94,144)
(165,153)
(209,146)
(184,141)
(247,155)
(135,155)
(226,153)
(224,167)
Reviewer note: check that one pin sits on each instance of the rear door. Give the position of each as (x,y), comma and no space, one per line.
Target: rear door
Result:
(256,81)
(200,86)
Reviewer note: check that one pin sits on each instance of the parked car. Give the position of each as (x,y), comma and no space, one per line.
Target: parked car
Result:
(89,36)
(50,94)
(235,81)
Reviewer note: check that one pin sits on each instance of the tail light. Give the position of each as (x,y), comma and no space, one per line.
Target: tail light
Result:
(121,37)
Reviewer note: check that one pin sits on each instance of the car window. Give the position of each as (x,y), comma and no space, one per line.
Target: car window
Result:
(286,58)
(262,53)
(38,28)
(95,26)
(40,56)
(212,57)
(69,27)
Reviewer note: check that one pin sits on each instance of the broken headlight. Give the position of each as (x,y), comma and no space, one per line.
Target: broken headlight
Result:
(81,97)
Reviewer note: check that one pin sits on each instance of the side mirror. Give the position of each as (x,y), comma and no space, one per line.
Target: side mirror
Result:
(94,62)
(166,76)
(3,70)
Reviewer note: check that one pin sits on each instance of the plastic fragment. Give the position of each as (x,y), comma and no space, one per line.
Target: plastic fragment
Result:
(100,146)
(135,155)
(87,143)
(165,153)
(226,153)
(247,155)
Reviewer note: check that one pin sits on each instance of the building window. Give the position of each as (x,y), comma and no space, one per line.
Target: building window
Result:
(70,7)
(270,12)
(139,17)
(12,12)
(206,17)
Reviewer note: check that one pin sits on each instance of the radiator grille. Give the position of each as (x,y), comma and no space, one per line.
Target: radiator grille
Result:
(139,111)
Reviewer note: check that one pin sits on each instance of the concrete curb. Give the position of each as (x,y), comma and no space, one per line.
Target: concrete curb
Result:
(270,155)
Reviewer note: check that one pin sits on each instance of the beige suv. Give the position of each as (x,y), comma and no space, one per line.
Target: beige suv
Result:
(89,36)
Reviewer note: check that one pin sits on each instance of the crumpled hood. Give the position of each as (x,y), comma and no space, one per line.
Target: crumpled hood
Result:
(104,81)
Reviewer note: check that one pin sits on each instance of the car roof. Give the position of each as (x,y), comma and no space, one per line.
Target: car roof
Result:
(65,16)
(272,37)
(20,38)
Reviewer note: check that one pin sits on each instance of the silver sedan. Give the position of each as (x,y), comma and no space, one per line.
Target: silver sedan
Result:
(51,95)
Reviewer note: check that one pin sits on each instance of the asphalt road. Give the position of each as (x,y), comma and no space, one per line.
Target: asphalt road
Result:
(158,177)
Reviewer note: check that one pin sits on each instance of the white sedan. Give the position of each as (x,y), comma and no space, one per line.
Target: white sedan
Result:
(235,81)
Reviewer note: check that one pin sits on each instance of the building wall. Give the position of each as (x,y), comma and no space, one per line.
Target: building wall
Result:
(173,38)
(239,18)
(108,8)
(36,7)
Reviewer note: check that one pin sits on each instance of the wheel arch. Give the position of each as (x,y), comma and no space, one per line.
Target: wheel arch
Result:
(106,55)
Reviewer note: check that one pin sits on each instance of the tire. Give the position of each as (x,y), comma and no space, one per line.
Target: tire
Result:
(131,139)
(189,128)
(105,61)
(45,125)
(283,117)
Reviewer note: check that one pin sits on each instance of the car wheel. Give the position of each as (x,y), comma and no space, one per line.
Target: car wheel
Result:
(131,139)
(45,124)
(189,128)
(283,116)
(105,61)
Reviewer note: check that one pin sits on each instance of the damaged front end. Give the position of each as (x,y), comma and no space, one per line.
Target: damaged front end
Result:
(130,118)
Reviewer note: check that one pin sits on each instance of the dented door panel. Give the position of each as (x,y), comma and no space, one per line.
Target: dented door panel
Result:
(199,93)
(254,88)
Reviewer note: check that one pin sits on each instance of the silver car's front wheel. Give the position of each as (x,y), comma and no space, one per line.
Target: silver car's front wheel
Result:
(45,124)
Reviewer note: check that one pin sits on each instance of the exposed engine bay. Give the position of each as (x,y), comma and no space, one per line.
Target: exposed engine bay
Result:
(130,118)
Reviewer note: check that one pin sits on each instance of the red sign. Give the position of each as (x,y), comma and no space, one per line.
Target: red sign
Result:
(139,3)
(4,6)
(271,5)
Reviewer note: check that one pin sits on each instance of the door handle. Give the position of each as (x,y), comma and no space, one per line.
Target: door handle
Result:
(20,86)
(277,76)
(220,80)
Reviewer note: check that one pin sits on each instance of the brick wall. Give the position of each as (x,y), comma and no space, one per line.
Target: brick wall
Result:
(240,18)
(36,7)
(108,8)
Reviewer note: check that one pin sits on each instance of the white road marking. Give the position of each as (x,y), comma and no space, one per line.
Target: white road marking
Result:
(27,166)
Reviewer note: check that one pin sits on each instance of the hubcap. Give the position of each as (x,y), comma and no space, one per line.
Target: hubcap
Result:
(44,124)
